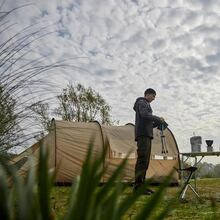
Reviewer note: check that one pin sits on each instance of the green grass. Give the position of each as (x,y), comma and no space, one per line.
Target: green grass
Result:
(209,190)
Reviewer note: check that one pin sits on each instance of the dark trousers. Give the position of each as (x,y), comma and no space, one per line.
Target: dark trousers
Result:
(143,159)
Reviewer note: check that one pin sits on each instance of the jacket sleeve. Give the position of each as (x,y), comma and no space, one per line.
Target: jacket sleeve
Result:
(146,112)
(156,124)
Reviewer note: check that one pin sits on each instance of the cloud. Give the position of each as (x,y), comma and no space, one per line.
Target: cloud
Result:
(213,59)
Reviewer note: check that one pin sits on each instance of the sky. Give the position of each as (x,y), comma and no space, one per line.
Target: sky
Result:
(121,48)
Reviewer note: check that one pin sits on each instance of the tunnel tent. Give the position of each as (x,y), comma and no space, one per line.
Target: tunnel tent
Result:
(68,143)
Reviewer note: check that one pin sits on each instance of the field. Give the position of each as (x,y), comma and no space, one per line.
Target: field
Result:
(209,208)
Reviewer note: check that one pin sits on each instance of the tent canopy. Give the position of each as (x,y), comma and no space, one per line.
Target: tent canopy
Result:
(68,143)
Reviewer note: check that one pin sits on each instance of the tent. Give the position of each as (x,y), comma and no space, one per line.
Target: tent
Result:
(68,142)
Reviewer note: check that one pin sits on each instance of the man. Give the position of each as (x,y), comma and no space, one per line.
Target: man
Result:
(145,121)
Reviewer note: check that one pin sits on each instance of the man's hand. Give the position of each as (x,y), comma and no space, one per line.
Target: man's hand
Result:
(162,119)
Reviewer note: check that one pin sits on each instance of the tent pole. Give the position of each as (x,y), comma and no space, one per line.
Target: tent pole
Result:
(103,143)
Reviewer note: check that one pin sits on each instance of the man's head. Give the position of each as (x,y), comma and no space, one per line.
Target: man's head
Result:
(150,94)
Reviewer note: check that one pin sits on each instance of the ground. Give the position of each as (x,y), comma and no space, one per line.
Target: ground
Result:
(209,208)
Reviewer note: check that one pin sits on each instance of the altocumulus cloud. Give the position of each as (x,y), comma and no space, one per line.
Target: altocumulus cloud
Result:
(123,47)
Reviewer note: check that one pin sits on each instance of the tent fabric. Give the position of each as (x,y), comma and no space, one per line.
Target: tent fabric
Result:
(68,142)
(72,140)
(33,154)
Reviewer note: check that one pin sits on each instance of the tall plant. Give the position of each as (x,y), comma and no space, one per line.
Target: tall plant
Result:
(20,80)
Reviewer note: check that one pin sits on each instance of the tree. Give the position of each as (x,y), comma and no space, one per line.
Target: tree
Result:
(8,120)
(217,170)
(42,115)
(205,170)
(82,104)
(74,104)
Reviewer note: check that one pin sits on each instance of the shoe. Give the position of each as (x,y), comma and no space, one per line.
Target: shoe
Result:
(148,192)
(151,191)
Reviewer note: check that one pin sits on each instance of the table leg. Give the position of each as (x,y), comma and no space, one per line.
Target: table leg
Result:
(195,174)
(181,173)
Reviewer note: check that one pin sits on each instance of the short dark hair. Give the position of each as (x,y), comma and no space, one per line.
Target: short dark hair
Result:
(149,91)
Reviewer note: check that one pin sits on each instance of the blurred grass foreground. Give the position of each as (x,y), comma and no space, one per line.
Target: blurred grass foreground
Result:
(33,197)
(36,197)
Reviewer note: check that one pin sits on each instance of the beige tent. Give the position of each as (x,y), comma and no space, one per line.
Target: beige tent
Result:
(68,143)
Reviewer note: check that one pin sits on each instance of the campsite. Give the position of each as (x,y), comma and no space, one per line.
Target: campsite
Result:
(109,110)
(83,195)
(74,138)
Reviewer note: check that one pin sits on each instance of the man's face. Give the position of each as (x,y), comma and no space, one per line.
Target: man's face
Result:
(150,97)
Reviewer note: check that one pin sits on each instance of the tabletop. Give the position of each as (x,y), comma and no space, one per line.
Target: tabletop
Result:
(202,154)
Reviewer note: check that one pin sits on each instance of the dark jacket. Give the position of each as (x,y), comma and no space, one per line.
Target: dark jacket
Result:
(145,121)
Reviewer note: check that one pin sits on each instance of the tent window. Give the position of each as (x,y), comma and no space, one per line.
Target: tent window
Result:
(164,157)
(116,154)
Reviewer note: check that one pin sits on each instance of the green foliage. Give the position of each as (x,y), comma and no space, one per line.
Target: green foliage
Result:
(8,120)
(217,170)
(42,115)
(82,104)
(78,104)
(206,170)
(30,198)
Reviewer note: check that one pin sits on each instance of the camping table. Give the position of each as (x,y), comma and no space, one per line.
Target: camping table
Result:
(197,156)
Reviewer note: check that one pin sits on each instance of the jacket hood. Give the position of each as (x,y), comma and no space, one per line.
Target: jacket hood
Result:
(137,101)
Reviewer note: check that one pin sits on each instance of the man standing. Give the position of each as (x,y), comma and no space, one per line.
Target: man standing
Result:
(145,121)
